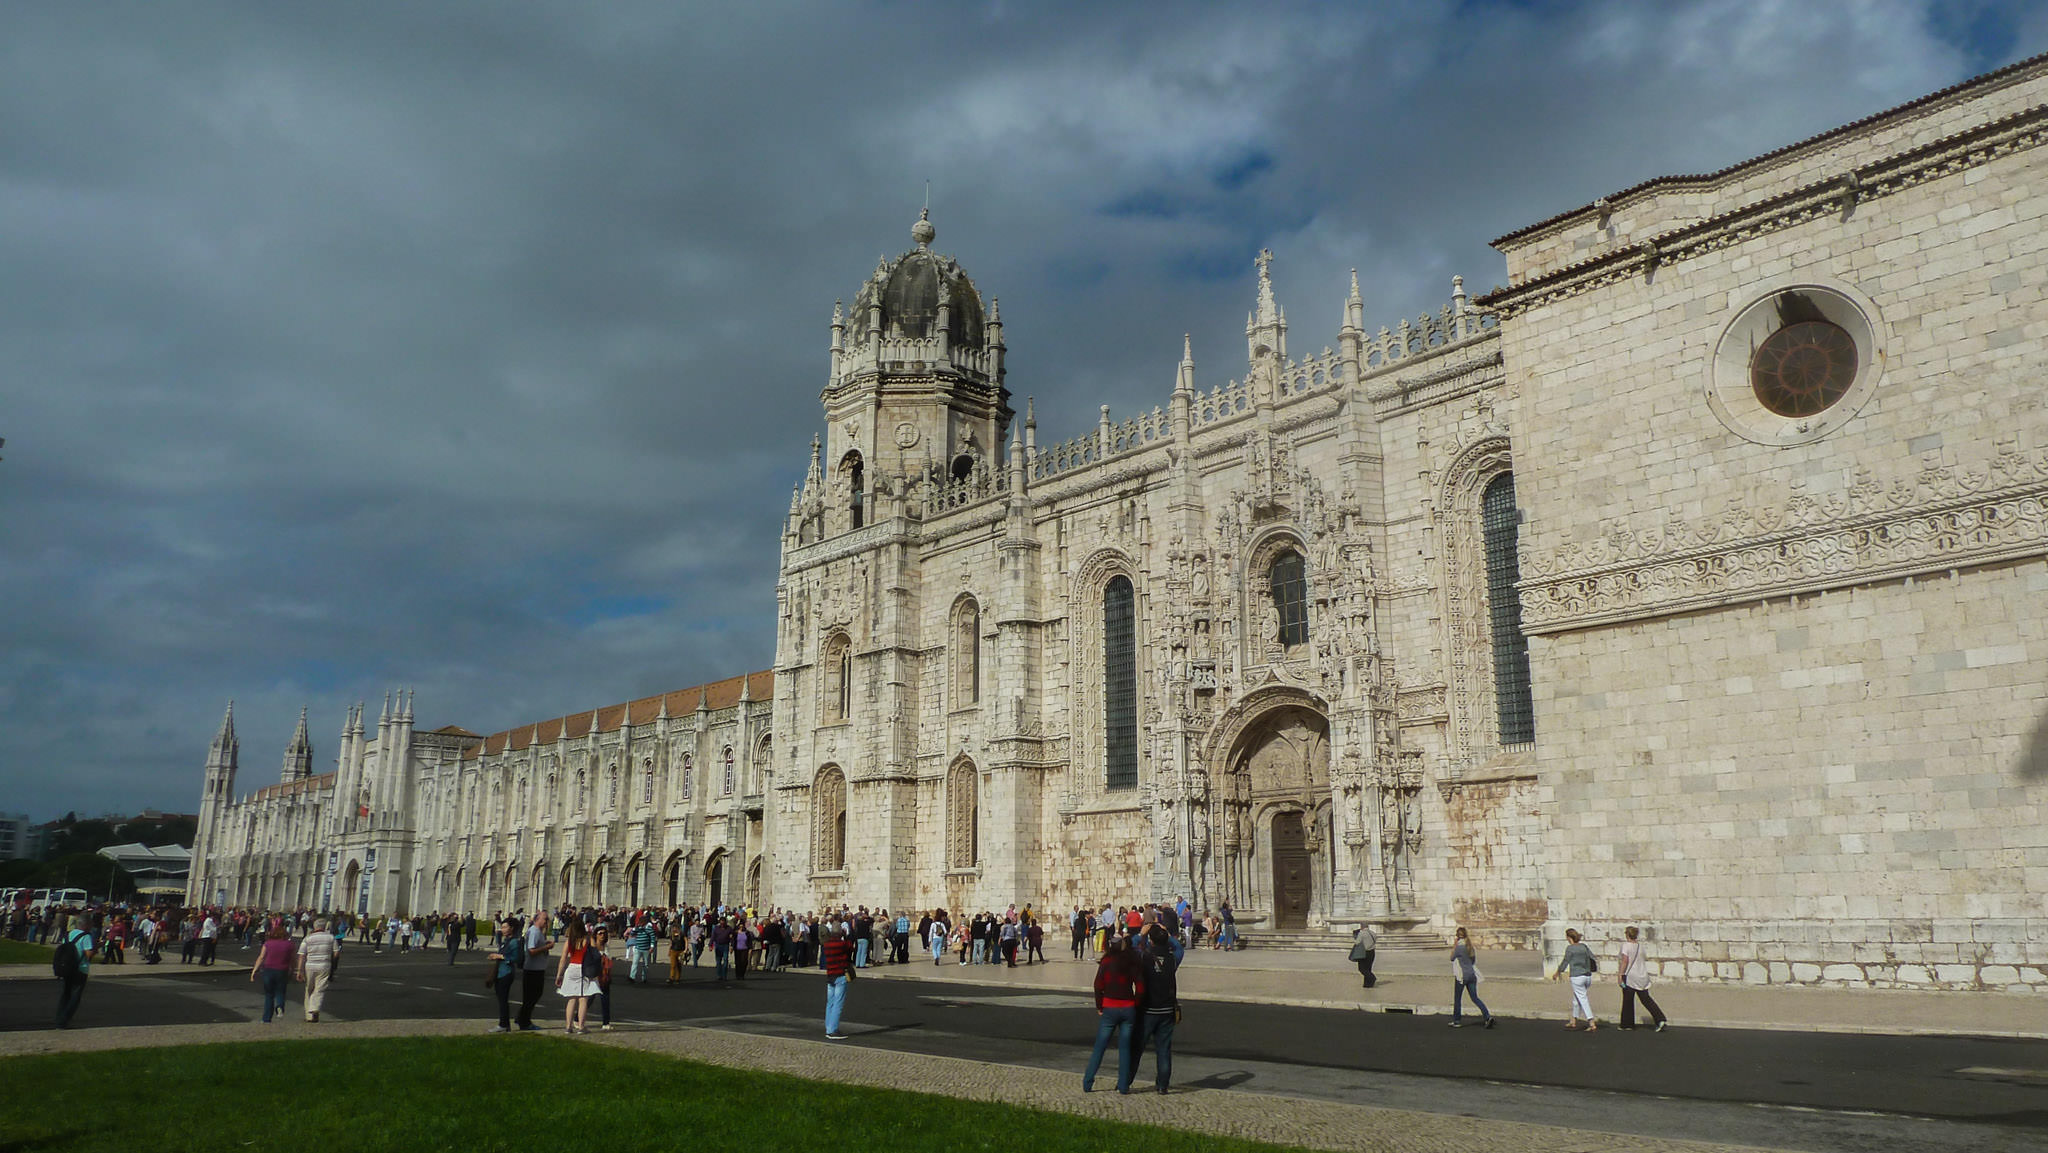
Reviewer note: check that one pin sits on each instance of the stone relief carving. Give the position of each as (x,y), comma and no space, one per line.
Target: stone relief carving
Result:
(1943,516)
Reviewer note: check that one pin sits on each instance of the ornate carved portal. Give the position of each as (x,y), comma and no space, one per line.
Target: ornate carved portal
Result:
(1273,818)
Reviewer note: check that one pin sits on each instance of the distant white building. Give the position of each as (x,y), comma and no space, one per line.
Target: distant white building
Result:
(20,838)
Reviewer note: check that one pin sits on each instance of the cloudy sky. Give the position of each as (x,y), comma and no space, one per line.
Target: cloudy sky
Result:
(475,347)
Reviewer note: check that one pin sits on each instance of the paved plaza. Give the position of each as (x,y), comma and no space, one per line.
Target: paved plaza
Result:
(1278,1046)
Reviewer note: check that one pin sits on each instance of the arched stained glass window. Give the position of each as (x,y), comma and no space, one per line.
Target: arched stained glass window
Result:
(1120,684)
(1501,521)
(1289,581)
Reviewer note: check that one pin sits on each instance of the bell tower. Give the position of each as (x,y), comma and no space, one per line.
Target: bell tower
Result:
(914,391)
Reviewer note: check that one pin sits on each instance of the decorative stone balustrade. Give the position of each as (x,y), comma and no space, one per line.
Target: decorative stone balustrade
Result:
(1453,324)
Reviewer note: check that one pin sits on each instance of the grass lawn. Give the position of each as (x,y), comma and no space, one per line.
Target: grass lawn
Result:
(482,1093)
(23,953)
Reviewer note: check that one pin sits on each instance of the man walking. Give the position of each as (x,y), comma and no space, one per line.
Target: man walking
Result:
(643,949)
(72,963)
(208,932)
(1363,948)
(838,955)
(316,966)
(534,974)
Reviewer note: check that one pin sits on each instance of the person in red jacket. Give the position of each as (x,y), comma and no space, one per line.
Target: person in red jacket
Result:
(1119,988)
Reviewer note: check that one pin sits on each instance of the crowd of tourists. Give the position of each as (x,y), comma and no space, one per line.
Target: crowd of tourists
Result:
(1137,949)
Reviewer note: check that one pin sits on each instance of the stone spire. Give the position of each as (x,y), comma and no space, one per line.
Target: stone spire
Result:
(226,749)
(298,754)
(1265,328)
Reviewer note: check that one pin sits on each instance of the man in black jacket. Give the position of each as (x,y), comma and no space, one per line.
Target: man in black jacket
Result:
(1162,1002)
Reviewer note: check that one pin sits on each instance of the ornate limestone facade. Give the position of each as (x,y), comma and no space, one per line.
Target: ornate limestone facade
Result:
(1217,650)
(1696,579)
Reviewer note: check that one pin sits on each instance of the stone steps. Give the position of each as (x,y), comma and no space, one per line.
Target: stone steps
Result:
(1308,941)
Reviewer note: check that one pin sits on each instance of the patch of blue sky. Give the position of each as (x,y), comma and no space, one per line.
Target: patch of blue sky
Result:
(1148,204)
(1241,170)
(1986,31)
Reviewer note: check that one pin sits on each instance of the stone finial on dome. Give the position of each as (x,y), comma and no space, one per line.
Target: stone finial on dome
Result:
(922,232)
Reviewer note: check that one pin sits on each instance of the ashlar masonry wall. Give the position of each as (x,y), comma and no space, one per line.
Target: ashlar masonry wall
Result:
(1791,673)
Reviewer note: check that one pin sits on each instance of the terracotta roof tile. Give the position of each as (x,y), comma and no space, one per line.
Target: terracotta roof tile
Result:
(322,782)
(681,702)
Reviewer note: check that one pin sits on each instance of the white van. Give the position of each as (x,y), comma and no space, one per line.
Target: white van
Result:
(62,898)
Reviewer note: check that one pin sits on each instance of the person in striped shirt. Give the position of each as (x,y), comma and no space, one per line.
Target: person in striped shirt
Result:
(838,960)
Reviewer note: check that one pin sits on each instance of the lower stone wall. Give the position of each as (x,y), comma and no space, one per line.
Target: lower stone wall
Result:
(2002,955)
(1846,788)
(1097,859)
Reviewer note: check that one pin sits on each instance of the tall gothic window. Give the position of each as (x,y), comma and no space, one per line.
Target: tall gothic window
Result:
(837,670)
(963,818)
(689,770)
(828,812)
(727,790)
(647,783)
(1120,684)
(966,655)
(1290,597)
(582,784)
(1501,521)
(611,787)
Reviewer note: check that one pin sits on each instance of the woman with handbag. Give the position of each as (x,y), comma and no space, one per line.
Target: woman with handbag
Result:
(1465,981)
(1635,982)
(574,978)
(1579,964)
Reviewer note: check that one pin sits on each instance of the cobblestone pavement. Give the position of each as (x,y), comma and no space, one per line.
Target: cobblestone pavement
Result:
(1264,1117)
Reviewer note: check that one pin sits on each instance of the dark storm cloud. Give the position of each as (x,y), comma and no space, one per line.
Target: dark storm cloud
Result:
(475,347)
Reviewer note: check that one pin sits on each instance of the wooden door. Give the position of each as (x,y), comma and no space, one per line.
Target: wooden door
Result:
(1293,885)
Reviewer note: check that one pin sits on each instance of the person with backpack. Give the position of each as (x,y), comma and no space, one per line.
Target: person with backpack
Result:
(576,977)
(508,961)
(71,965)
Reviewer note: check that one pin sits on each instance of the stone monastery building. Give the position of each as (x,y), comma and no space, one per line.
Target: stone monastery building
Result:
(1698,578)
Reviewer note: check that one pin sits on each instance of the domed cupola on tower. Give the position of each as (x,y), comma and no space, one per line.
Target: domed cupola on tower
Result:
(915,389)
(910,295)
